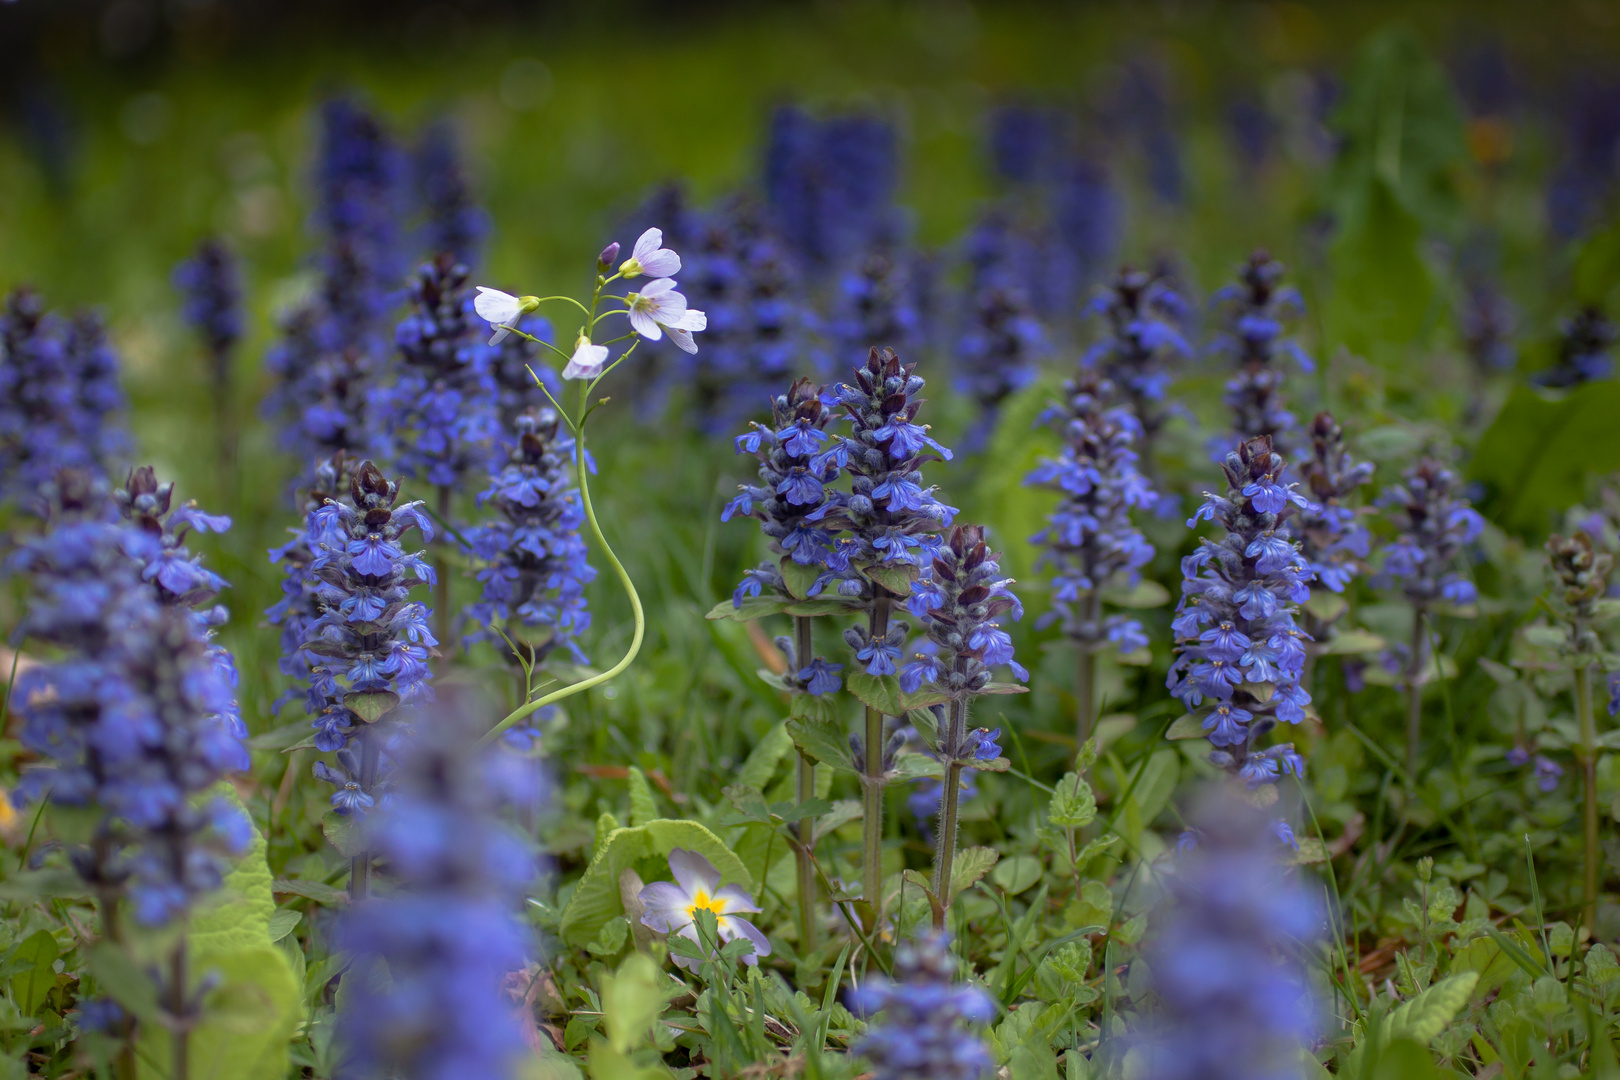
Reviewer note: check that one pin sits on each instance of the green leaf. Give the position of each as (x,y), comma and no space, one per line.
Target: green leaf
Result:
(283,922)
(606,1063)
(822,740)
(752,607)
(1597,266)
(373,706)
(1187,726)
(750,804)
(1146,593)
(791,812)
(1537,456)
(897,579)
(1152,792)
(29,987)
(1353,642)
(842,813)
(1310,850)
(882,692)
(798,578)
(1382,290)
(1018,873)
(1427,1015)
(123,980)
(915,767)
(611,938)
(344,832)
(1074,804)
(831,605)
(1404,1059)
(1016,448)
(250,1015)
(762,761)
(596,899)
(642,807)
(1326,605)
(32,885)
(318,891)
(988,688)
(632,1000)
(972,863)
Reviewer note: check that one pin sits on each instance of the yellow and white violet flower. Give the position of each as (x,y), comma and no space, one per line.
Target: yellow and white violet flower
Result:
(671,907)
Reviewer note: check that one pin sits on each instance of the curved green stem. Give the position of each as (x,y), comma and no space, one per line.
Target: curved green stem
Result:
(624,579)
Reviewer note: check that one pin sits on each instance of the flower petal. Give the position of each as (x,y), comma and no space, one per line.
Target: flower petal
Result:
(664,906)
(644,324)
(683,340)
(693,871)
(587,361)
(733,927)
(732,899)
(647,243)
(494,306)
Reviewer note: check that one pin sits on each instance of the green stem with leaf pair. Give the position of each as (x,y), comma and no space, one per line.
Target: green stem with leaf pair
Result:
(872,782)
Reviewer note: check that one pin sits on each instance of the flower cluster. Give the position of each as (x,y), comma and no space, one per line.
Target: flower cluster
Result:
(60,401)
(1434,523)
(1141,343)
(449,933)
(454,222)
(369,642)
(298,608)
(875,305)
(1238,645)
(1585,348)
(1487,323)
(1332,540)
(672,907)
(927,1016)
(158,544)
(1233,997)
(438,418)
(1090,540)
(534,569)
(520,370)
(1253,314)
(210,283)
(130,716)
(959,599)
(892,520)
(830,183)
(795,477)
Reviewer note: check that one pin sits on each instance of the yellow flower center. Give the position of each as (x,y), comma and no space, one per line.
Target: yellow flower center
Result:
(702,901)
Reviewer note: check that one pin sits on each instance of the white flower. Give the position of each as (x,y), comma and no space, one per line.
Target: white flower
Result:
(502,310)
(651,259)
(671,907)
(659,307)
(587,361)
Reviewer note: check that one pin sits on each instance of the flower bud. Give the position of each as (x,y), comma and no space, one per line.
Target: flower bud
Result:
(609,253)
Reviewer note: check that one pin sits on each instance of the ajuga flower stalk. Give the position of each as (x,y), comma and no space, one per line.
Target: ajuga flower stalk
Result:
(1239,652)
(454,223)
(210,284)
(1253,315)
(1433,524)
(1332,538)
(960,598)
(927,1017)
(1139,347)
(1585,350)
(1090,541)
(1580,573)
(449,932)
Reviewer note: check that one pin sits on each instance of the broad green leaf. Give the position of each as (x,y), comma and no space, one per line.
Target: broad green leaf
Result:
(897,579)
(632,1000)
(798,578)
(1382,291)
(842,813)
(751,608)
(750,804)
(915,767)
(1405,1059)
(1353,642)
(1326,605)
(318,891)
(123,980)
(283,922)
(1152,791)
(1187,726)
(29,987)
(1146,593)
(1427,1015)
(251,1014)
(596,899)
(972,863)
(823,740)
(344,832)
(1310,850)
(32,885)
(882,692)
(1074,804)
(1537,456)
(1018,873)
(606,1063)
(999,494)
(1597,266)
(760,766)
(642,807)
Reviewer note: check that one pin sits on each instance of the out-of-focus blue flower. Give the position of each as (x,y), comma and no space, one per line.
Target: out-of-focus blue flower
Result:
(210,283)
(437,419)
(61,406)
(1332,539)
(1585,347)
(1140,346)
(926,1031)
(453,222)
(128,717)
(1252,319)
(1090,540)
(449,932)
(1241,592)
(1233,999)
(1434,523)
(830,183)
(1000,340)
(875,304)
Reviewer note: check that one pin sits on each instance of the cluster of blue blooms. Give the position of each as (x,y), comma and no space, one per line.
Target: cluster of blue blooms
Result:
(534,569)
(876,302)
(925,1032)
(210,284)
(1252,317)
(1433,524)
(366,643)
(959,599)
(61,404)
(830,184)
(437,419)
(1585,348)
(1233,998)
(1332,539)
(1000,341)
(133,717)
(1238,645)
(454,224)
(1090,541)
(1141,342)
(424,995)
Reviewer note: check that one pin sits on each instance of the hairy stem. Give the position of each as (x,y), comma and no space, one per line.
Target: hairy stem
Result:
(950,745)
(804,787)
(1589,799)
(360,866)
(179,1011)
(624,580)
(1414,695)
(872,782)
(1085,678)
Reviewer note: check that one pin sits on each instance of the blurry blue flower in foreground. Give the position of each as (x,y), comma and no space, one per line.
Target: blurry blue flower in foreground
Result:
(923,1034)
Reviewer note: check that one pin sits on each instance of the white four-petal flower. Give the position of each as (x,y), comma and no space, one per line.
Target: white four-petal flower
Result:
(587,361)
(671,907)
(659,307)
(502,310)
(651,258)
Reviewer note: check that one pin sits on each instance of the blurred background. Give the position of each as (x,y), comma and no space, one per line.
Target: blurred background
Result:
(1438,178)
